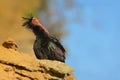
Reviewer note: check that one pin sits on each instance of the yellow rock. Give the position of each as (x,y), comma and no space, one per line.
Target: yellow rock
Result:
(19,66)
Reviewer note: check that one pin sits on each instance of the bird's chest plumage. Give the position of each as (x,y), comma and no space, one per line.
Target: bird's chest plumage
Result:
(41,44)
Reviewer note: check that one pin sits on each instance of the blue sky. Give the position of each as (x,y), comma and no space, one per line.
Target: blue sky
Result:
(94,40)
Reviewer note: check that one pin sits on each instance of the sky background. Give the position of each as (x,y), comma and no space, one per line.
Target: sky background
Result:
(94,39)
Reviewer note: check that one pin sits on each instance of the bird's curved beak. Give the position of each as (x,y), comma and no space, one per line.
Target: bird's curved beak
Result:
(27,21)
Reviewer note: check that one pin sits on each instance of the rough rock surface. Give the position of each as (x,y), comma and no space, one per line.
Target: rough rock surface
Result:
(19,66)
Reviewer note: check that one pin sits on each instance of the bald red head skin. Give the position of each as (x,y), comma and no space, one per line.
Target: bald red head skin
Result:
(36,22)
(45,46)
(33,23)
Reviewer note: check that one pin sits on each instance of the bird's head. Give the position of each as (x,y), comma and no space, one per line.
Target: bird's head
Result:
(33,22)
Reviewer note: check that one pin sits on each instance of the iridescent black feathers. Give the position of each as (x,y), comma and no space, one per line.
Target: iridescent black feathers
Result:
(45,46)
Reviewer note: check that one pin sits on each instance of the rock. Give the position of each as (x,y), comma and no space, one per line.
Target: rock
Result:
(19,66)
(9,43)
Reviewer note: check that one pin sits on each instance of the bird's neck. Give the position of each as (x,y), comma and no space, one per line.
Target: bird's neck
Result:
(41,33)
(43,28)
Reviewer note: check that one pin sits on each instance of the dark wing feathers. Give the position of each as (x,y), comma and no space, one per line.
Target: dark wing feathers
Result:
(55,53)
(56,41)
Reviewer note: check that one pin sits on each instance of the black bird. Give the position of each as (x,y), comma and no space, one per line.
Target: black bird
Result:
(46,46)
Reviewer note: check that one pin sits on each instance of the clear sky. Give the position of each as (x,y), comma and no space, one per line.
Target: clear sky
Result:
(94,40)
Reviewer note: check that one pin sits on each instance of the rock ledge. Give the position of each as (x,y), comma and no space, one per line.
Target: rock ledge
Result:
(19,66)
